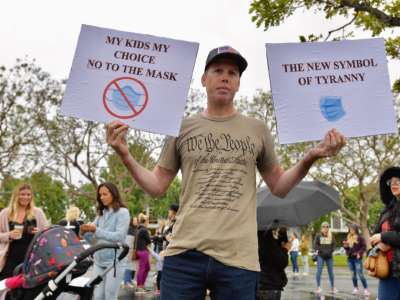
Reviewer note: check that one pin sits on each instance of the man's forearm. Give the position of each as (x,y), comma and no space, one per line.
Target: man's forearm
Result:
(293,176)
(145,178)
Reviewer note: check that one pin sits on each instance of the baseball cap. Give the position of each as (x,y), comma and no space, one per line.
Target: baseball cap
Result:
(227,52)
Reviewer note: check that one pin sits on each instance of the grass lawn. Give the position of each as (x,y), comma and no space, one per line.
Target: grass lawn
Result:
(338,261)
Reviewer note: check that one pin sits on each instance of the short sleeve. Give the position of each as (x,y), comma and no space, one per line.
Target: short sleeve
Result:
(267,156)
(169,157)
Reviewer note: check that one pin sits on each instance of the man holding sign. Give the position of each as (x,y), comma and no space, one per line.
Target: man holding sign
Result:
(214,243)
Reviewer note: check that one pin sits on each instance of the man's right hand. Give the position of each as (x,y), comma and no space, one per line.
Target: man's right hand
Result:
(116,132)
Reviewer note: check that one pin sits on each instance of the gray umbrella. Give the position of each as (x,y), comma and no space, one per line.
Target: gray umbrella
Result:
(306,202)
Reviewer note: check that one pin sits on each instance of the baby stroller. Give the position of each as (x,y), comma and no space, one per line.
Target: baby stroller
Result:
(54,258)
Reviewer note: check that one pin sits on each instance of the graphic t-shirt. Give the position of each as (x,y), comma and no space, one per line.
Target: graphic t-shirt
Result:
(218,160)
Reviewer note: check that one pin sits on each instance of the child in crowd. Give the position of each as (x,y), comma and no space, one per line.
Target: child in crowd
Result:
(160,259)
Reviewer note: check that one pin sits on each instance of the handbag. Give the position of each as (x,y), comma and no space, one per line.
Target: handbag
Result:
(314,257)
(377,264)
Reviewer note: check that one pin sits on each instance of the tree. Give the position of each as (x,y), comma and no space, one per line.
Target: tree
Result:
(24,89)
(136,199)
(377,17)
(85,200)
(361,161)
(354,171)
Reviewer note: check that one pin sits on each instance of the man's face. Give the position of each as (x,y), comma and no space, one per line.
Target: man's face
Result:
(222,81)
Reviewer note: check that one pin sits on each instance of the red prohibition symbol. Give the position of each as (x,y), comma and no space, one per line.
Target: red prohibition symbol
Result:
(125,97)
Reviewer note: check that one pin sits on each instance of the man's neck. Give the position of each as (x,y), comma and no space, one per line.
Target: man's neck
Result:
(219,112)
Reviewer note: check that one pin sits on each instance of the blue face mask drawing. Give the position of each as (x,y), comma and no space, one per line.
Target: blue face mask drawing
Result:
(331,108)
(120,102)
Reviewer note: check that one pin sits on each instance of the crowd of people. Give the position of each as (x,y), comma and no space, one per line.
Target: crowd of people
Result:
(210,243)
(22,219)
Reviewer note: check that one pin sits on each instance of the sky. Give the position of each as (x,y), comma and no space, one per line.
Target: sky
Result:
(48,31)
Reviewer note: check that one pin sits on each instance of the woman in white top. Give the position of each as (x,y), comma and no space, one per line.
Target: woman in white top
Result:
(294,252)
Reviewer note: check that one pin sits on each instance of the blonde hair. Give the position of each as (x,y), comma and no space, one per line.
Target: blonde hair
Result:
(329,234)
(161,223)
(72,213)
(13,205)
(142,218)
(352,238)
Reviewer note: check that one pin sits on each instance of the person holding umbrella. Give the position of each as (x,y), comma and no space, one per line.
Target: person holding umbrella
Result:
(387,232)
(273,247)
(217,152)
(324,244)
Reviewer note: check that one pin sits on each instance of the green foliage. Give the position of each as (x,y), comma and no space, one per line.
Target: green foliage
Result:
(159,207)
(49,195)
(377,17)
(354,172)
(84,198)
(137,200)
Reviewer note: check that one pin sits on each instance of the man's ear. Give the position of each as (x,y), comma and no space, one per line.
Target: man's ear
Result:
(203,79)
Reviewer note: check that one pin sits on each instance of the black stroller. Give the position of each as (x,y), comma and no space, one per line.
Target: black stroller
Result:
(54,258)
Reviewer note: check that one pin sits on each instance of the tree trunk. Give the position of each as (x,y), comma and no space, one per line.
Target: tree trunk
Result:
(364,205)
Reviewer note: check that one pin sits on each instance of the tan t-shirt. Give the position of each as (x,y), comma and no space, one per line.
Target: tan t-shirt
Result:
(217,213)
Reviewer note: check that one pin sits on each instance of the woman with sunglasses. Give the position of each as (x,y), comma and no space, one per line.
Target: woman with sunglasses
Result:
(387,232)
(324,244)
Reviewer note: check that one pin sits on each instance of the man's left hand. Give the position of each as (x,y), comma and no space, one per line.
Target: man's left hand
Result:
(330,146)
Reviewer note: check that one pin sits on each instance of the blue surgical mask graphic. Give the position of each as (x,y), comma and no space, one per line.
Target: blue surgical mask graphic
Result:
(119,101)
(331,108)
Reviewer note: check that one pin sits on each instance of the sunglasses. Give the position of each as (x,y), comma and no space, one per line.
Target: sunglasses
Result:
(393,181)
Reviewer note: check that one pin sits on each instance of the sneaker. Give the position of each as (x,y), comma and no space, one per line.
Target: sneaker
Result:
(355,291)
(334,290)
(367,292)
(318,290)
(128,286)
(305,274)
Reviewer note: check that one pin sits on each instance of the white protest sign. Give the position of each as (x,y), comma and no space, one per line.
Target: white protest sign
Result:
(318,86)
(141,80)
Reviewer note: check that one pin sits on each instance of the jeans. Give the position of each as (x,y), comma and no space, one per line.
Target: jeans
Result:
(109,287)
(329,265)
(306,267)
(188,275)
(159,276)
(128,276)
(389,289)
(356,268)
(293,259)
(144,267)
